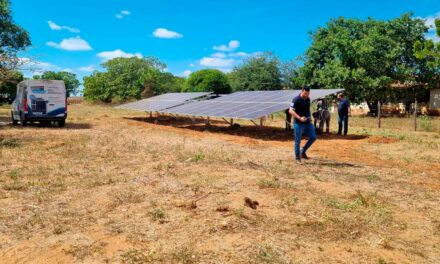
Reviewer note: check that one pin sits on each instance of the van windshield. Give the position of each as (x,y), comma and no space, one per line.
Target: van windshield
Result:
(37,89)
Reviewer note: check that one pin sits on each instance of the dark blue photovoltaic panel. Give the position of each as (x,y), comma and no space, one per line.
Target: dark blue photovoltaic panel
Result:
(245,105)
(161,102)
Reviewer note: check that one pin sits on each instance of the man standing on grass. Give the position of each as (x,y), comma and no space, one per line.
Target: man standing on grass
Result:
(344,110)
(300,110)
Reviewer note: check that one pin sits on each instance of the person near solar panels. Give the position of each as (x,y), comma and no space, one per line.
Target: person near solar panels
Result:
(344,111)
(300,110)
(321,116)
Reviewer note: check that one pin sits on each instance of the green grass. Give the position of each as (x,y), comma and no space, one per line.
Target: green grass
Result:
(157,214)
(269,183)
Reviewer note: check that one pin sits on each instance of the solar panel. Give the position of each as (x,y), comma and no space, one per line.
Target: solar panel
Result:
(245,105)
(162,102)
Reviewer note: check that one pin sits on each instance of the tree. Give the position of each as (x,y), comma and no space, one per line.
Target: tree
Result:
(291,75)
(96,87)
(13,38)
(130,78)
(430,50)
(261,72)
(365,57)
(8,87)
(70,80)
(157,82)
(208,80)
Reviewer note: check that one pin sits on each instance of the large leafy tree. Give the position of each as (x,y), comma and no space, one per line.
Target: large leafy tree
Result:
(208,80)
(130,78)
(261,72)
(13,38)
(8,87)
(366,57)
(70,80)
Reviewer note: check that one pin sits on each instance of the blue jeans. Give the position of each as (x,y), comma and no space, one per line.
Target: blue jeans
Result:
(343,120)
(300,129)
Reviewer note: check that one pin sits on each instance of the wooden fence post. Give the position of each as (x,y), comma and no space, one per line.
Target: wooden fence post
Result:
(415,114)
(378,114)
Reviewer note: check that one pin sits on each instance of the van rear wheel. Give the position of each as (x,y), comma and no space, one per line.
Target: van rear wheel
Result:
(14,122)
(23,121)
(61,123)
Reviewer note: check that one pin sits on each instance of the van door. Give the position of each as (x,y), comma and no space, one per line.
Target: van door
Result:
(56,98)
(38,100)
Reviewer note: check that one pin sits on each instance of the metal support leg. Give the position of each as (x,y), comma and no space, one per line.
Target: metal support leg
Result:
(231,122)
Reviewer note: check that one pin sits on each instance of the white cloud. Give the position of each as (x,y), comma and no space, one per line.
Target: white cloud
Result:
(33,63)
(226,57)
(122,14)
(71,44)
(192,65)
(67,70)
(430,23)
(219,55)
(166,34)
(108,55)
(239,54)
(244,54)
(235,54)
(31,67)
(217,62)
(89,68)
(54,26)
(232,45)
(186,73)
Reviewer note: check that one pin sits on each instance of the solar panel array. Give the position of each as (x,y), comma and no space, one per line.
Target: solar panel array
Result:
(162,102)
(245,105)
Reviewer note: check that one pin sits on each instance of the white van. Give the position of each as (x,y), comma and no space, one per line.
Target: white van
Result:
(40,100)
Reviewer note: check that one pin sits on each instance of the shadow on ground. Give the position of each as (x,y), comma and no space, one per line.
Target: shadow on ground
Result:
(216,126)
(335,164)
(6,123)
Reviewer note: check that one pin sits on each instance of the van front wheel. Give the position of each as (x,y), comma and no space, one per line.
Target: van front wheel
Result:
(61,123)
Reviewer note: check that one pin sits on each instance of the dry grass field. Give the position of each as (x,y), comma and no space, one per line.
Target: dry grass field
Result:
(113,188)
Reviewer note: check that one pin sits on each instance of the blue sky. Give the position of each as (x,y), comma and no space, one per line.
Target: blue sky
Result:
(78,35)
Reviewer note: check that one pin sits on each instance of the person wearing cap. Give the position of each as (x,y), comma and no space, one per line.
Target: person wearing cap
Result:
(300,110)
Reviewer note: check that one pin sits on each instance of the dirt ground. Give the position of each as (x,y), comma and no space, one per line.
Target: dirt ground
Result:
(116,187)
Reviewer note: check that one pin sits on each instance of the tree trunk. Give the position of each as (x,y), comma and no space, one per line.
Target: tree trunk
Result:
(372,106)
(148,91)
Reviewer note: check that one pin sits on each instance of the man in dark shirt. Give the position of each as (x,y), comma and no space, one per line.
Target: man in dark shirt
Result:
(300,110)
(344,110)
